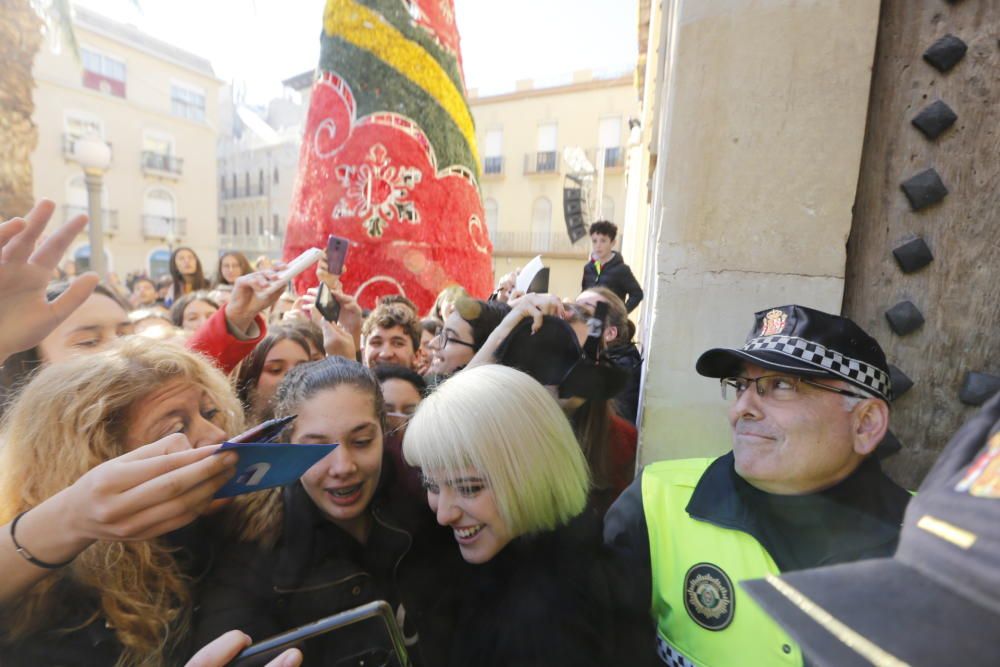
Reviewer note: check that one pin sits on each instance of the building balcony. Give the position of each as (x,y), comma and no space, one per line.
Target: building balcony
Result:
(534,243)
(161,164)
(545,162)
(163,227)
(268,243)
(493,165)
(242,193)
(109,217)
(614,157)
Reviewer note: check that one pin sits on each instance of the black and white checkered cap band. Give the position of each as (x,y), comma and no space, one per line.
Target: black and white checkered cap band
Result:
(670,655)
(871,378)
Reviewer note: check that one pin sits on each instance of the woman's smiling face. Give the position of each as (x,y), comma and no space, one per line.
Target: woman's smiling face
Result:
(467,505)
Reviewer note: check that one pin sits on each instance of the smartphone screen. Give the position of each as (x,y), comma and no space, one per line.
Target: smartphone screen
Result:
(336,254)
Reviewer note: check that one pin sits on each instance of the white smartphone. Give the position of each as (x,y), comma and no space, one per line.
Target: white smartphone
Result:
(301,263)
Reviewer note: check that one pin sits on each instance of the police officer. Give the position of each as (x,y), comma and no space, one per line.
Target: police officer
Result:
(808,401)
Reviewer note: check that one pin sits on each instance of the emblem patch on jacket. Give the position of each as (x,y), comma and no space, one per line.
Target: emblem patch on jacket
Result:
(708,596)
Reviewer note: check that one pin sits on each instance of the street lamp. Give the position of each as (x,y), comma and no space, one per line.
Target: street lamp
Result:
(94,155)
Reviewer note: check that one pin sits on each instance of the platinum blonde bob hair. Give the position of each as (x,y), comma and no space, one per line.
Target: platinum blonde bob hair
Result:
(511,430)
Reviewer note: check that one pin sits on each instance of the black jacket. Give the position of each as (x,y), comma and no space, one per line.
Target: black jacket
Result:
(628,358)
(545,600)
(617,277)
(316,570)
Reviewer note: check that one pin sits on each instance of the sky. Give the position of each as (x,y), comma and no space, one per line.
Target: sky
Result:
(262,42)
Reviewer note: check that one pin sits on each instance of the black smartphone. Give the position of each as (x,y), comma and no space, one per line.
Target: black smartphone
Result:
(265,432)
(327,306)
(336,254)
(384,646)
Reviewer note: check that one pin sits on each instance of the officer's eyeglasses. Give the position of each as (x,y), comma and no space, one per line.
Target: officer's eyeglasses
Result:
(776,387)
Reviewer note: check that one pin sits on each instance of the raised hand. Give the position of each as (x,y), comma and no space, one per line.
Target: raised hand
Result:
(26,316)
(252,294)
(224,648)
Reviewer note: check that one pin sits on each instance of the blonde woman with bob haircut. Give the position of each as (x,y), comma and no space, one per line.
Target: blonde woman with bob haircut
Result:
(503,470)
(117,602)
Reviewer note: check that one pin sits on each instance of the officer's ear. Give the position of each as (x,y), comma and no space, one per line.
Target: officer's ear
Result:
(610,333)
(870,422)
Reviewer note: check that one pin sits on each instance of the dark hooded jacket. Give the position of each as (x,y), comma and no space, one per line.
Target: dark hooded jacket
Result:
(617,277)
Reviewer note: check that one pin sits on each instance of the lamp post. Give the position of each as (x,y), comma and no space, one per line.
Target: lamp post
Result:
(93,154)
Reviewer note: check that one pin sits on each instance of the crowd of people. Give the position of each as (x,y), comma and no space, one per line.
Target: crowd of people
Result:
(483,483)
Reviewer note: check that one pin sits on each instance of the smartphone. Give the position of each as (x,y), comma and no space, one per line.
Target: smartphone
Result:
(264,432)
(327,306)
(383,645)
(336,254)
(300,264)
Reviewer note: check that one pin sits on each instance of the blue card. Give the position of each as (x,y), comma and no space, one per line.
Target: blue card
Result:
(263,465)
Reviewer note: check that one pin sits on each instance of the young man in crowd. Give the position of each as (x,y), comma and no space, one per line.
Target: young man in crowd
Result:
(390,335)
(808,404)
(606,268)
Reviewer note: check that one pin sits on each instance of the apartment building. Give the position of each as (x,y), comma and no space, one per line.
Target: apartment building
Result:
(523,136)
(156,105)
(258,158)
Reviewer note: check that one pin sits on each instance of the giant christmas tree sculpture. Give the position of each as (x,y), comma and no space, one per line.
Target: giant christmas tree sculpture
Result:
(389,157)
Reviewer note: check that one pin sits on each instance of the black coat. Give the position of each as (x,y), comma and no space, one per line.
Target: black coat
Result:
(316,570)
(617,277)
(628,358)
(546,600)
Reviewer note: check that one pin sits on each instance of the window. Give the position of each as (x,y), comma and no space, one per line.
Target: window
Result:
(159,263)
(260,182)
(275,175)
(222,185)
(81,124)
(158,152)
(234,193)
(246,185)
(260,226)
(187,102)
(159,214)
(609,137)
(492,210)
(82,259)
(277,223)
(222,225)
(103,72)
(247,227)
(541,221)
(547,142)
(493,160)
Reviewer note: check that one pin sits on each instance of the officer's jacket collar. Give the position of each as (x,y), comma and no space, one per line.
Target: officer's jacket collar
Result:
(858,518)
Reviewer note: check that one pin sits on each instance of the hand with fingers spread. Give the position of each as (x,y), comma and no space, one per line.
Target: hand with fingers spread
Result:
(535,306)
(252,294)
(221,652)
(26,317)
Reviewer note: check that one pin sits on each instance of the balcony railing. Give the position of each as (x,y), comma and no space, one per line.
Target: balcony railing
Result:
(493,165)
(161,226)
(267,243)
(538,242)
(109,217)
(239,193)
(545,162)
(162,163)
(614,157)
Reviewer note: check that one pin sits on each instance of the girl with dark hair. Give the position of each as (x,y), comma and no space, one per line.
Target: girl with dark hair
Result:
(337,538)
(465,331)
(232,265)
(192,310)
(258,376)
(187,274)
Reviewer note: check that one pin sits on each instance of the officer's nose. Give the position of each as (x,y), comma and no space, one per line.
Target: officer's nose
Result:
(747,406)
